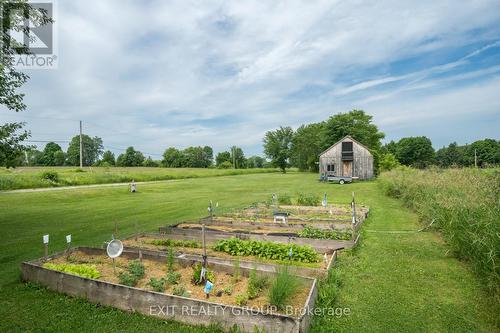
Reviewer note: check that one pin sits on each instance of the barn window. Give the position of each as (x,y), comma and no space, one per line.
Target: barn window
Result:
(347,151)
(330,167)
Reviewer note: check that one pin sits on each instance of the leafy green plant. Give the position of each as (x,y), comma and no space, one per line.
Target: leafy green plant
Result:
(242,299)
(173,277)
(127,279)
(157,284)
(136,269)
(267,250)
(282,288)
(228,290)
(311,232)
(308,199)
(180,290)
(197,274)
(255,284)
(83,270)
(284,199)
(176,243)
(51,176)
(170,259)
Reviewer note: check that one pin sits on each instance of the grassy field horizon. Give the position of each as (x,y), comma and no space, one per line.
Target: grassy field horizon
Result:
(397,279)
(46,177)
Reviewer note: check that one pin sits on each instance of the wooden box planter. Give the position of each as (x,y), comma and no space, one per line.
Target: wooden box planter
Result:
(165,306)
(285,236)
(221,258)
(255,225)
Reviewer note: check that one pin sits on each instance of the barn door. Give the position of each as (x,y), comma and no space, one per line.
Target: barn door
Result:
(347,169)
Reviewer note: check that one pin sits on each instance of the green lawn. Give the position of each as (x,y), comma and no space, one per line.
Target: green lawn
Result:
(393,282)
(36,177)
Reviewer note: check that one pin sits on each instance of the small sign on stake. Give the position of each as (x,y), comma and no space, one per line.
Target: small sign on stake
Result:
(45,239)
(68,242)
(208,288)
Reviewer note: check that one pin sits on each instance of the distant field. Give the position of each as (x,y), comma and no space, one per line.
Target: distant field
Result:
(36,177)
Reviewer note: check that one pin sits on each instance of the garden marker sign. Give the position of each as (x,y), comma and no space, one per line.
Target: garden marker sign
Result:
(45,239)
(325,201)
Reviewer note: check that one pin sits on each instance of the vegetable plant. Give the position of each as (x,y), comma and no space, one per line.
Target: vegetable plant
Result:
(267,250)
(83,270)
(311,232)
(158,284)
(176,243)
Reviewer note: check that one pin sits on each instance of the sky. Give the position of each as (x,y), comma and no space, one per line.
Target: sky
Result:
(156,74)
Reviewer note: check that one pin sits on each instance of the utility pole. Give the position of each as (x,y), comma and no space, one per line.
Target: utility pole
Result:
(81,146)
(234,157)
(475,158)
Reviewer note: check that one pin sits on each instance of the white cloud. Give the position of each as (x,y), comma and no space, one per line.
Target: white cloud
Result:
(160,73)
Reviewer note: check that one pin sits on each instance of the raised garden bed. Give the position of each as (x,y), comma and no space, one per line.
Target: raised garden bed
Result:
(278,234)
(188,304)
(256,224)
(188,242)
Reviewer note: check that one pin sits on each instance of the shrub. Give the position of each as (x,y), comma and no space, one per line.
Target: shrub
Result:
(180,290)
(225,165)
(311,232)
(197,273)
(267,250)
(283,286)
(83,270)
(176,243)
(284,199)
(308,199)
(158,284)
(51,176)
(242,299)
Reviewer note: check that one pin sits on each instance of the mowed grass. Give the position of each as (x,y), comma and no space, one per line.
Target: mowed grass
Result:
(394,282)
(33,177)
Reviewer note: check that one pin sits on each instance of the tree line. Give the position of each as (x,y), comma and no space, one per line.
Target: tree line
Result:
(301,148)
(94,155)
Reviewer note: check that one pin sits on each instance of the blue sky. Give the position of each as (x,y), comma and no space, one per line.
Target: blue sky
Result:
(179,73)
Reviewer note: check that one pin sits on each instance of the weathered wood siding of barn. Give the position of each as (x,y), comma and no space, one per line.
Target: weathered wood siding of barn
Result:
(362,164)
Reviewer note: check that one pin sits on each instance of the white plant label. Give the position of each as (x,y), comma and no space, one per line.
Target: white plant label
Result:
(68,238)
(45,239)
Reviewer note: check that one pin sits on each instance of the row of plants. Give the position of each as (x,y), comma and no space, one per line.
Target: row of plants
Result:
(302,199)
(311,232)
(83,270)
(267,250)
(176,243)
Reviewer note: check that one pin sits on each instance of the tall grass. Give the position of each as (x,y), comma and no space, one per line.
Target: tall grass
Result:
(36,177)
(464,205)
(282,288)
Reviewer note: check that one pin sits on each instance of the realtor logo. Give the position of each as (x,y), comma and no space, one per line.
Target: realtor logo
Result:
(30,32)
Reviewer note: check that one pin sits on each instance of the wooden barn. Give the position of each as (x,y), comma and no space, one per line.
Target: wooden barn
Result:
(346,158)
